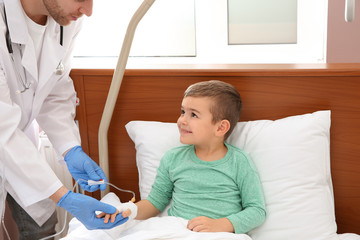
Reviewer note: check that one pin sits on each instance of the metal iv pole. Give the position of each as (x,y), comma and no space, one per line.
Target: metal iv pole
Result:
(115,88)
(349,10)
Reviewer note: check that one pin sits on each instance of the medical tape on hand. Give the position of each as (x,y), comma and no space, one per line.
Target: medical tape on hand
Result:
(133,208)
(112,199)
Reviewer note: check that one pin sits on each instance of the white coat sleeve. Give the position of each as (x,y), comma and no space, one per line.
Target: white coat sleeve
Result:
(25,170)
(57,114)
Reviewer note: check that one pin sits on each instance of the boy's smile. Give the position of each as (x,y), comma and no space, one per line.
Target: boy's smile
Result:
(195,122)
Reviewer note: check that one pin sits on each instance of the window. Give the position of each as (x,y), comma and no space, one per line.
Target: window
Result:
(262,21)
(167,29)
(192,32)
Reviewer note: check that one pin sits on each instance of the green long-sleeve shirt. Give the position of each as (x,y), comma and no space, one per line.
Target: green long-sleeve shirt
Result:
(229,187)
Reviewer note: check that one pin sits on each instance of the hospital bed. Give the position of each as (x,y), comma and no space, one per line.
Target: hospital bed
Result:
(286,93)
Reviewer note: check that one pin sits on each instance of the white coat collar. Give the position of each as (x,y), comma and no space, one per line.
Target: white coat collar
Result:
(16,21)
(52,51)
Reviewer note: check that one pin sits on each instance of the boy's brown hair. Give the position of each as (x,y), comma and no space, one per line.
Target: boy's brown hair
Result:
(226,100)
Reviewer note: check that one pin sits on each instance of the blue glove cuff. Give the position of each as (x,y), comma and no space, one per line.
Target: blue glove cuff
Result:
(62,199)
(71,151)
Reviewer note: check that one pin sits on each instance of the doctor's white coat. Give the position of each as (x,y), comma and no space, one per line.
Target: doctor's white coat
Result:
(50,100)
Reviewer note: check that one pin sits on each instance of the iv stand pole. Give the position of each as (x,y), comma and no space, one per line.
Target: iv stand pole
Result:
(115,88)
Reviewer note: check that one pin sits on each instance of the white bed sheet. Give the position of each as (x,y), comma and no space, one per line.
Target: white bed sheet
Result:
(170,228)
(349,236)
(167,227)
(164,227)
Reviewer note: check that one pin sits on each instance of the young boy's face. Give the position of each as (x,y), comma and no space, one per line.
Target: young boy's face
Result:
(195,122)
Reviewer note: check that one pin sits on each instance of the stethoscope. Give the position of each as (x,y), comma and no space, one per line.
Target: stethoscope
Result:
(24,83)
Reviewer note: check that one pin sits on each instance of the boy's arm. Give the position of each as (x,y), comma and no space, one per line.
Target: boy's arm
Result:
(253,203)
(160,194)
(146,210)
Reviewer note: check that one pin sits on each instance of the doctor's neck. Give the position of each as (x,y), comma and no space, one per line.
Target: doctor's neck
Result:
(35,10)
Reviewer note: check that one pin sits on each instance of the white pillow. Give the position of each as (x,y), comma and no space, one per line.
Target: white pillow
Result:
(293,160)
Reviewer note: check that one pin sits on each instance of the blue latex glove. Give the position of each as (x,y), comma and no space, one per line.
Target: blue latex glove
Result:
(81,166)
(83,208)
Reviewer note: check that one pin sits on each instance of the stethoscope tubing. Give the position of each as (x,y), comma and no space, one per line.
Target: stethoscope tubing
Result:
(25,84)
(8,38)
(7,35)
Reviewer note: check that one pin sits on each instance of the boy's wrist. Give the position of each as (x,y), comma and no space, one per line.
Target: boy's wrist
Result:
(226,225)
(132,207)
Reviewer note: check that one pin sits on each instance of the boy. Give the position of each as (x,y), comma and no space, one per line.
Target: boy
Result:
(213,184)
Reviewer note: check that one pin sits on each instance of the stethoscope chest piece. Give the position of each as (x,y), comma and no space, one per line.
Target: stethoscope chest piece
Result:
(60,68)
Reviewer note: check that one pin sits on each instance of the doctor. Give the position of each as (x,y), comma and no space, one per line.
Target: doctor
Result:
(35,57)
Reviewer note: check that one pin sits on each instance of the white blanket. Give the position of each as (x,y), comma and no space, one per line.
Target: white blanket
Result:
(171,228)
(165,227)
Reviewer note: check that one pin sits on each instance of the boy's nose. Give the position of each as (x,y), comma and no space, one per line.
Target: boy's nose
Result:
(182,120)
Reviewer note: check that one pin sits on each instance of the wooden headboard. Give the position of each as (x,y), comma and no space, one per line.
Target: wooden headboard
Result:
(268,92)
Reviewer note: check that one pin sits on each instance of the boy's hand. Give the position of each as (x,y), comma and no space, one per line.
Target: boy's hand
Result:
(126,213)
(205,224)
(112,217)
(128,210)
(108,216)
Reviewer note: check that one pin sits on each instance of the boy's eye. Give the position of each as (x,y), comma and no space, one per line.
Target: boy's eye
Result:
(182,112)
(193,115)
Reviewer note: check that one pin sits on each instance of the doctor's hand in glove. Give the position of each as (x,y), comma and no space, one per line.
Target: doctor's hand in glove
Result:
(83,208)
(82,167)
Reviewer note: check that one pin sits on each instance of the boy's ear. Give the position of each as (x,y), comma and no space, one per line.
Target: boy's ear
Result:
(223,127)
